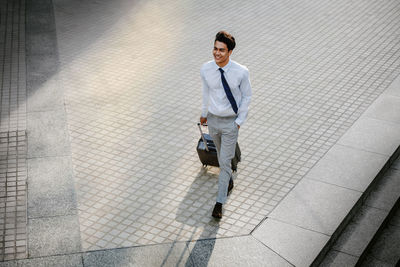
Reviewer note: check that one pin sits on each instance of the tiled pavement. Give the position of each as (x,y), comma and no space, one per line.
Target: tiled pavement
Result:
(13,219)
(131,81)
(129,73)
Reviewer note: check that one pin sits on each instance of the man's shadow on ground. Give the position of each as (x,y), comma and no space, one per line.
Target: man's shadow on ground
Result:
(195,216)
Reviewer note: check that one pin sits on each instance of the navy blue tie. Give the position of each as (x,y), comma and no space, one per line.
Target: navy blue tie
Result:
(228,91)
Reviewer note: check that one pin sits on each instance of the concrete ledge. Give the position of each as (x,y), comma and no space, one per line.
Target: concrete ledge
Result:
(388,190)
(289,241)
(316,206)
(376,131)
(339,259)
(394,88)
(354,210)
(396,165)
(324,202)
(348,167)
(236,251)
(354,239)
(391,187)
(174,254)
(378,246)
(386,108)
(373,135)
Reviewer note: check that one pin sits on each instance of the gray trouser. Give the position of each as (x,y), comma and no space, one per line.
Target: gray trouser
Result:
(224,132)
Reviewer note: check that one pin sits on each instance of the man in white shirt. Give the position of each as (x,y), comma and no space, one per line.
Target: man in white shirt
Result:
(226,99)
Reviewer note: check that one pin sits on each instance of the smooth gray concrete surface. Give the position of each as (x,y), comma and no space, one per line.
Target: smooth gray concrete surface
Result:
(53,236)
(73,260)
(395,221)
(359,232)
(41,20)
(386,107)
(44,94)
(381,250)
(373,135)
(390,184)
(51,188)
(394,88)
(175,254)
(40,7)
(348,167)
(373,262)
(53,225)
(369,221)
(385,248)
(44,64)
(47,134)
(338,259)
(236,251)
(316,206)
(41,43)
(396,164)
(298,245)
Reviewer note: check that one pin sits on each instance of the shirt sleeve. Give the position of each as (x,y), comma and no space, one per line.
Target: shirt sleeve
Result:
(245,90)
(204,107)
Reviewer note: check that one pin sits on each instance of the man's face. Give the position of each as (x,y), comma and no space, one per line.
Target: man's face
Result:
(221,53)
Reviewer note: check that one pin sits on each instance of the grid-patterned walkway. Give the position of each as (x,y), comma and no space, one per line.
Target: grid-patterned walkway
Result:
(131,80)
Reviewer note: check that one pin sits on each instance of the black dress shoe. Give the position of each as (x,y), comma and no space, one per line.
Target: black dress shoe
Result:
(230,187)
(217,212)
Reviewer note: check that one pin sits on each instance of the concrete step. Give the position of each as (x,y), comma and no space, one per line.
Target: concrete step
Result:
(384,248)
(364,224)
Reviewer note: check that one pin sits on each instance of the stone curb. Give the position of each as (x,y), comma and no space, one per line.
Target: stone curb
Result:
(378,232)
(381,123)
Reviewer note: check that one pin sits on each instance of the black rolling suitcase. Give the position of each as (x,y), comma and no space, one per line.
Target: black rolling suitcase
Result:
(208,152)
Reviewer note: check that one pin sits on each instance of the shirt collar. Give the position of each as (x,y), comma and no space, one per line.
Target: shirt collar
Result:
(225,68)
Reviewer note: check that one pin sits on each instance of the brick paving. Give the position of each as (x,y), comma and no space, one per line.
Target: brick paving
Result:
(131,79)
(13,206)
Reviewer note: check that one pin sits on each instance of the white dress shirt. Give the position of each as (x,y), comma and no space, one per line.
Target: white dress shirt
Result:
(215,100)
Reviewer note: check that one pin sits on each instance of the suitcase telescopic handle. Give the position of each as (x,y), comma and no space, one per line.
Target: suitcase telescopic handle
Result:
(202,137)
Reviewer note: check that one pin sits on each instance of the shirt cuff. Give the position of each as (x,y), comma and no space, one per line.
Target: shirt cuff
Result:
(239,122)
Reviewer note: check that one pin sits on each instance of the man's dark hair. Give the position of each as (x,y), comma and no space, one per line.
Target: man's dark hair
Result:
(226,38)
